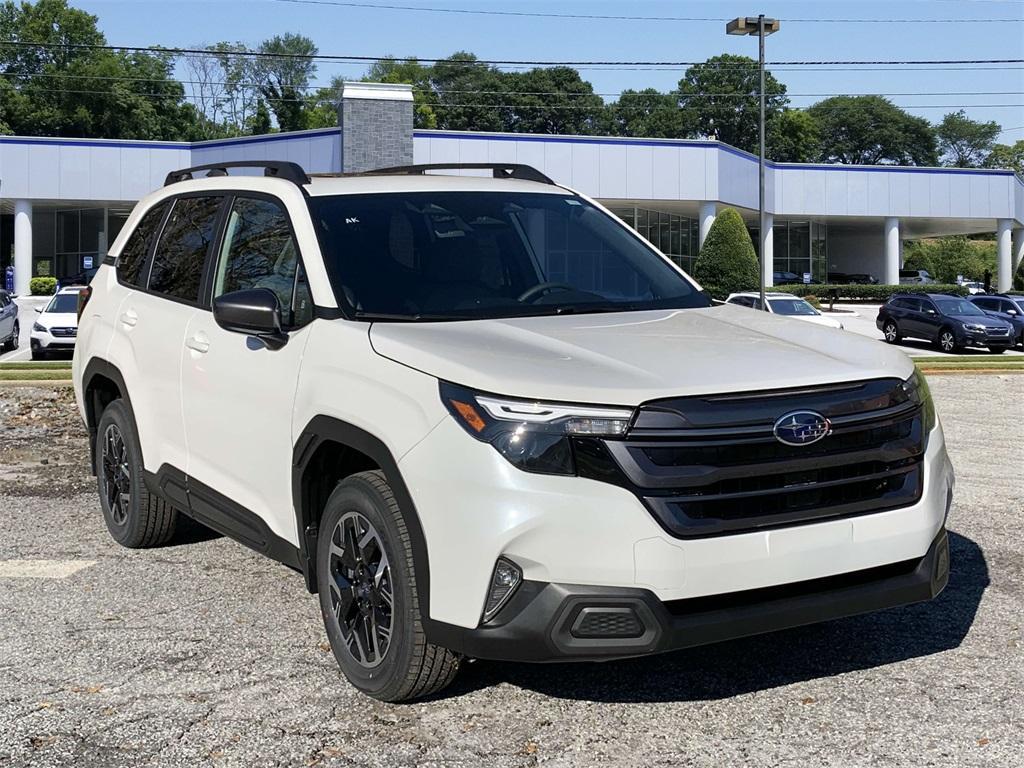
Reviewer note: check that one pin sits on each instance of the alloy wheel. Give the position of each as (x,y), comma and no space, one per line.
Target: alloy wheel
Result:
(15,339)
(890,332)
(362,594)
(116,475)
(946,341)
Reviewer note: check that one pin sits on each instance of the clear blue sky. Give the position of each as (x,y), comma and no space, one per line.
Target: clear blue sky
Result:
(373,32)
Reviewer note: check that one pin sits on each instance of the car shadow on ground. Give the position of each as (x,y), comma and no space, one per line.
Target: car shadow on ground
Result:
(189,531)
(766,661)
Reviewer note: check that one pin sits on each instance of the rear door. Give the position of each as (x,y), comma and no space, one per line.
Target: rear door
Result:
(930,320)
(239,394)
(8,312)
(150,328)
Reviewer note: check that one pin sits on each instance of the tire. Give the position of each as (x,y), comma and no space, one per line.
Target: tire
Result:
(38,354)
(12,342)
(371,584)
(946,341)
(140,519)
(997,350)
(891,332)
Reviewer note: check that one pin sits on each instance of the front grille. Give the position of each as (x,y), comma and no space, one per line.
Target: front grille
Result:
(64,332)
(710,466)
(998,331)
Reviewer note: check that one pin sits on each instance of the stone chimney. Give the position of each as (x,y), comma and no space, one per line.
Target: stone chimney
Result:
(376,126)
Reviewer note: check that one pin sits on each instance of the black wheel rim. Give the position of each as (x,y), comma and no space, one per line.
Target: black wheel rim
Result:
(362,594)
(946,341)
(115,475)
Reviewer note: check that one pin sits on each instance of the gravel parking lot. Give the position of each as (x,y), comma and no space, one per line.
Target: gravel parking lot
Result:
(204,653)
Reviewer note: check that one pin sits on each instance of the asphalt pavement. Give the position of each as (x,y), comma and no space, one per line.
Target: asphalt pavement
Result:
(203,653)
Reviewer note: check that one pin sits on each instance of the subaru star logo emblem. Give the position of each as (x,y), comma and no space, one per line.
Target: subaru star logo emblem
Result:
(801,428)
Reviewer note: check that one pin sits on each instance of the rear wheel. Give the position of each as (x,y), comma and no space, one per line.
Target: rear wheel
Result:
(134,517)
(12,343)
(947,341)
(369,596)
(891,332)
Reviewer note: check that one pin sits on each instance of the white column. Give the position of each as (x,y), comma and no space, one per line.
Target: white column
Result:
(768,250)
(1017,249)
(22,246)
(1004,276)
(706,219)
(892,251)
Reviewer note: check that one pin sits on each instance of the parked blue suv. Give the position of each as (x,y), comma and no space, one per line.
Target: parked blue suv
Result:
(950,322)
(1009,309)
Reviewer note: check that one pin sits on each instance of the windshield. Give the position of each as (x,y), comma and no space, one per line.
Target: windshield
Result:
(64,304)
(468,255)
(957,307)
(791,307)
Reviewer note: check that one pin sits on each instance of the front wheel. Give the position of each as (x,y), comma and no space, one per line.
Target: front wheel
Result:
(135,518)
(369,596)
(891,332)
(12,343)
(947,341)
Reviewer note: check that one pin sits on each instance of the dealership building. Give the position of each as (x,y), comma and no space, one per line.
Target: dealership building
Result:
(63,201)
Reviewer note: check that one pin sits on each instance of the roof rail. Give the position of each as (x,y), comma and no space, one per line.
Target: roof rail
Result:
(500,170)
(280,169)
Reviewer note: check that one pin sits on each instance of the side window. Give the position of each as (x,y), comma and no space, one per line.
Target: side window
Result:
(259,251)
(132,261)
(181,253)
(926,305)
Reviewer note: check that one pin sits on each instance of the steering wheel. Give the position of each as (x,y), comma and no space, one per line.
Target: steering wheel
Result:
(541,288)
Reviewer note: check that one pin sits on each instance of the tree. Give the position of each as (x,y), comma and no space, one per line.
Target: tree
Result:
(720,100)
(947,258)
(726,262)
(240,92)
(794,136)
(259,122)
(470,96)
(552,100)
(284,72)
(871,130)
(72,89)
(1007,156)
(647,113)
(965,143)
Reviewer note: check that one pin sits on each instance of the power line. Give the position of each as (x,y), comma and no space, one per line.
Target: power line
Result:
(539,63)
(603,17)
(572,94)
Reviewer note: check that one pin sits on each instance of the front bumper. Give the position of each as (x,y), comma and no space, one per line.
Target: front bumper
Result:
(982,339)
(560,622)
(40,341)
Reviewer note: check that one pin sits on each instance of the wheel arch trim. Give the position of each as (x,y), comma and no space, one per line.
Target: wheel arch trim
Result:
(99,367)
(322,429)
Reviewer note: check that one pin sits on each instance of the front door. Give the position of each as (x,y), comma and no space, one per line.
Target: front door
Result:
(239,394)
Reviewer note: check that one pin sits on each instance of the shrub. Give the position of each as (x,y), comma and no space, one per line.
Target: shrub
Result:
(869,292)
(726,262)
(42,286)
(813,300)
(947,257)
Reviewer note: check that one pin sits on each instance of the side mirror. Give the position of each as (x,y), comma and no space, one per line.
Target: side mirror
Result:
(931,311)
(1013,312)
(39,310)
(255,312)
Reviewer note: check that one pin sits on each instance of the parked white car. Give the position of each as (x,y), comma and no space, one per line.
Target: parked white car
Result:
(56,328)
(484,418)
(974,287)
(784,304)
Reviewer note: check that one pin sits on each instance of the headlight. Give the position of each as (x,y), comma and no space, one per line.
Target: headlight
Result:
(40,328)
(917,391)
(974,327)
(534,436)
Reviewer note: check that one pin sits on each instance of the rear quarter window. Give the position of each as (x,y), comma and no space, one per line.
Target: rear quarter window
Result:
(132,261)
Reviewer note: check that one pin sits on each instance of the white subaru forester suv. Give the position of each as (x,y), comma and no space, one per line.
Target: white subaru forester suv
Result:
(483,418)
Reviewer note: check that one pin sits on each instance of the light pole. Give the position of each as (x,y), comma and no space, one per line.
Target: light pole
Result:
(762,27)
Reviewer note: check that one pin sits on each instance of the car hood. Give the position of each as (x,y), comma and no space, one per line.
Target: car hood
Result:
(632,357)
(58,320)
(987,320)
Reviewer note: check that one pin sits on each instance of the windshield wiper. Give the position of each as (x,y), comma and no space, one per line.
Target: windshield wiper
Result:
(409,318)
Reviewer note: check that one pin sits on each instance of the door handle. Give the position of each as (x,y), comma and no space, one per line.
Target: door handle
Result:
(198,344)
(129,318)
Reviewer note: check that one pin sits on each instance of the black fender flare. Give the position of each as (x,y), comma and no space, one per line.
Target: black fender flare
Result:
(99,367)
(326,428)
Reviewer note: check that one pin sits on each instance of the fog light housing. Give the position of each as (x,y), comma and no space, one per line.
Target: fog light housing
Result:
(504,582)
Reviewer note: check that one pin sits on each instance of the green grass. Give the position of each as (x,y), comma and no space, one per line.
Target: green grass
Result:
(969,359)
(35,375)
(37,365)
